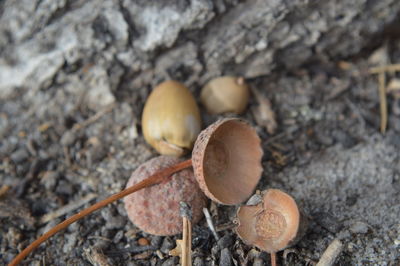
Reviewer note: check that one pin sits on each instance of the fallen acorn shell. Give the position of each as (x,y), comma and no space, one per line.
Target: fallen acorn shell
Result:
(171,119)
(227,161)
(225,95)
(273,224)
(155,209)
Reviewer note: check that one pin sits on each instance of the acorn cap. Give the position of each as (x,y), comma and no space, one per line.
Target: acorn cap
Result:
(227,161)
(155,209)
(273,224)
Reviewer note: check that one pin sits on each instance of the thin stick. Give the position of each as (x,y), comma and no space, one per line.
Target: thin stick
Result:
(331,253)
(67,208)
(383,69)
(210,223)
(382,101)
(94,118)
(186,247)
(273,259)
(152,180)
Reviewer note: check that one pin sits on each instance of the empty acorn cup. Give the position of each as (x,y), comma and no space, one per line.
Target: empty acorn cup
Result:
(227,161)
(272,224)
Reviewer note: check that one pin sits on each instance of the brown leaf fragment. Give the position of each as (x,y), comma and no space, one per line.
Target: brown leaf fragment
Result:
(263,113)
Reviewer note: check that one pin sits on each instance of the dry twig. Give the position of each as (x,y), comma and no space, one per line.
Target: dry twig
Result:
(331,253)
(94,118)
(67,208)
(187,235)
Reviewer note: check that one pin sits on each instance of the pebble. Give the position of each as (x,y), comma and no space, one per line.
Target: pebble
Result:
(171,261)
(70,242)
(198,261)
(156,241)
(225,259)
(68,138)
(359,228)
(225,242)
(19,155)
(258,262)
(167,245)
(49,179)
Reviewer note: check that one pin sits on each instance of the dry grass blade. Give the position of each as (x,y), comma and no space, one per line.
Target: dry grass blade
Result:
(67,208)
(383,101)
(210,223)
(386,68)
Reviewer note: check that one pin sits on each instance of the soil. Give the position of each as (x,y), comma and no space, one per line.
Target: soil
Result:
(58,146)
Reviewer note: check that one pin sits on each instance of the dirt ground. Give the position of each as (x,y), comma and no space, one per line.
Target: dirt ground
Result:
(327,152)
(74,76)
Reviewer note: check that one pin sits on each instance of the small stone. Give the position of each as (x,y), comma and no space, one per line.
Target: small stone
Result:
(359,228)
(258,262)
(118,236)
(156,241)
(49,179)
(171,262)
(225,259)
(328,221)
(167,245)
(198,261)
(70,242)
(19,156)
(225,242)
(68,138)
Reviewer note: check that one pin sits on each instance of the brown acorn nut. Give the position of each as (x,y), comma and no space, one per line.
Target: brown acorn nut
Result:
(272,224)
(155,209)
(227,161)
(225,95)
(171,119)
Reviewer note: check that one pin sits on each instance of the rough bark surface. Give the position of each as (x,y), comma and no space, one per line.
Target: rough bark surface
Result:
(63,64)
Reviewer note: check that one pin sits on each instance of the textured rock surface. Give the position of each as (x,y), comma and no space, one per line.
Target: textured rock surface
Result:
(99,45)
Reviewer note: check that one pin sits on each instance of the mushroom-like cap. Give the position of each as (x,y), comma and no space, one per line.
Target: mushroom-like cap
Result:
(155,209)
(273,224)
(227,161)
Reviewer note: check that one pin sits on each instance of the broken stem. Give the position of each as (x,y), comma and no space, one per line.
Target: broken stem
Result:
(273,259)
(151,180)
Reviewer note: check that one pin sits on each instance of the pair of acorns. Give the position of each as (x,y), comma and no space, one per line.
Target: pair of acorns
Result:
(171,119)
(226,162)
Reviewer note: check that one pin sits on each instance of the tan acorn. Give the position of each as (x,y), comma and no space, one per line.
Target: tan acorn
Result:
(272,224)
(171,119)
(225,95)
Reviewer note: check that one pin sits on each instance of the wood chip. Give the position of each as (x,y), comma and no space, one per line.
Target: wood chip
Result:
(67,208)
(263,113)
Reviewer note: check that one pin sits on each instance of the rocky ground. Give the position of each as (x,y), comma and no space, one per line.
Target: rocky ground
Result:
(70,127)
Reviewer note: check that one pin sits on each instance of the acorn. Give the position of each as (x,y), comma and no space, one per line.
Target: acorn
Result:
(171,119)
(272,224)
(227,161)
(225,95)
(155,209)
